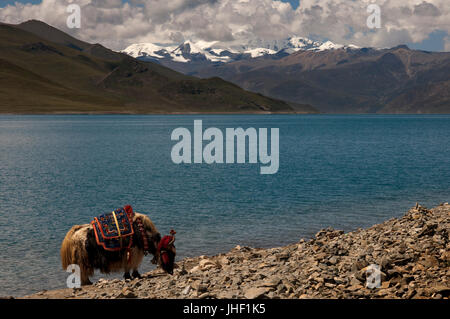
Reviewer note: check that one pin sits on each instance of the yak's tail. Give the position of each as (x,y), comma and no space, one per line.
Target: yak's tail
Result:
(69,248)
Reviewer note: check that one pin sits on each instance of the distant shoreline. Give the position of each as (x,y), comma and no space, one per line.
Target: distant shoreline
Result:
(154,113)
(211,113)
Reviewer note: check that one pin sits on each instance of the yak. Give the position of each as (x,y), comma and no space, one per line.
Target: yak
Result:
(80,247)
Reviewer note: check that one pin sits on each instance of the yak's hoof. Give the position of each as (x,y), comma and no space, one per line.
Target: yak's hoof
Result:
(127,276)
(136,274)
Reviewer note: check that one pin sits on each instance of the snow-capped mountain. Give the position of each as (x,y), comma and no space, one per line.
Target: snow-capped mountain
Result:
(186,52)
(215,52)
(288,45)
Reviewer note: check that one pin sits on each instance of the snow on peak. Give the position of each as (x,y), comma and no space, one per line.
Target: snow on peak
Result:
(145,49)
(329,46)
(300,43)
(254,53)
(217,52)
(333,46)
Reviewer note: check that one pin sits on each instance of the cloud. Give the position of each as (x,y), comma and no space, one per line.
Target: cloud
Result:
(403,21)
(426,9)
(447,44)
(117,24)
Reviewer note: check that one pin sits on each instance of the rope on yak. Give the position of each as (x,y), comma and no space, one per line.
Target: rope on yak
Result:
(143,235)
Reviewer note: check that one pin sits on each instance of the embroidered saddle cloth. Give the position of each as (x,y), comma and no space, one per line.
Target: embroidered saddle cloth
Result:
(114,231)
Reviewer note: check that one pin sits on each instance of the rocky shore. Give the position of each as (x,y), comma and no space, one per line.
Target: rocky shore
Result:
(413,253)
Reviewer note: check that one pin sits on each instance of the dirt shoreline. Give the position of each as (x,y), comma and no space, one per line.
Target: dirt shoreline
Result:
(413,253)
(159,113)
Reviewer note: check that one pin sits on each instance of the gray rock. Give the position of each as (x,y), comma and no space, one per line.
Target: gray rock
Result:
(255,293)
(186,290)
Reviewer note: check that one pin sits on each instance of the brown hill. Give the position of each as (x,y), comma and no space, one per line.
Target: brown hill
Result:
(397,80)
(44,70)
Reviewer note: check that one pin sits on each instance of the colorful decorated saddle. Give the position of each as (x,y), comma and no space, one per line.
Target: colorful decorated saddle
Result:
(114,231)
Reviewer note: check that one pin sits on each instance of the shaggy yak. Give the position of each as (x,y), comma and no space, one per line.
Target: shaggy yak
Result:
(80,247)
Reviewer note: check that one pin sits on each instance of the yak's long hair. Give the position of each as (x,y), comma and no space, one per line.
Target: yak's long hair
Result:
(80,247)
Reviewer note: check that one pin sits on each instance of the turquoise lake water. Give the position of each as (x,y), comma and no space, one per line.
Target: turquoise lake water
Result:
(344,171)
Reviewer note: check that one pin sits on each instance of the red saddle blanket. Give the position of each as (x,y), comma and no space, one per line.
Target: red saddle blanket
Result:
(114,231)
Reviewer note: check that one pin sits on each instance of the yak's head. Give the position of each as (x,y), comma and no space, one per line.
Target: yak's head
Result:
(166,252)
(163,249)
(150,237)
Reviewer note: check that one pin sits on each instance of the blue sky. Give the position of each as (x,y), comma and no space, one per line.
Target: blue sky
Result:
(434,42)
(6,2)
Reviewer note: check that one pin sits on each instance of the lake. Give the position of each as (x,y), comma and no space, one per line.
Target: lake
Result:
(344,171)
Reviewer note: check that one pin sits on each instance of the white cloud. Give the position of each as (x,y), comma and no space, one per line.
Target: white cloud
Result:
(116,24)
(447,44)
(402,20)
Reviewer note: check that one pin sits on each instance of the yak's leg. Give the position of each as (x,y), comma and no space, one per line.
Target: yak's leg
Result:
(85,273)
(136,274)
(86,282)
(126,269)
(135,262)
(127,275)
